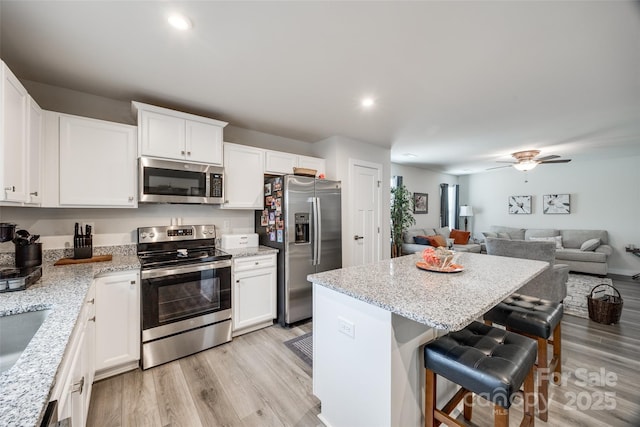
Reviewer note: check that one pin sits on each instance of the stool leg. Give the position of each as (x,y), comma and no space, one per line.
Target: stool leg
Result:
(500,416)
(543,379)
(529,415)
(429,398)
(468,406)
(557,354)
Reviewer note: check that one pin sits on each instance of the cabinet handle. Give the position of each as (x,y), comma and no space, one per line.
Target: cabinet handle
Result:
(238,281)
(131,198)
(35,193)
(182,152)
(188,153)
(257,262)
(91,319)
(91,301)
(78,387)
(133,282)
(12,188)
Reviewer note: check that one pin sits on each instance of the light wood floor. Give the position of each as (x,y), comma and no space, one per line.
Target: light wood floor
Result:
(256,381)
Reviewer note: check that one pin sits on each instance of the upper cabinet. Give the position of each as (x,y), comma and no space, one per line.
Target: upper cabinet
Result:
(20,142)
(243,177)
(93,161)
(170,134)
(280,163)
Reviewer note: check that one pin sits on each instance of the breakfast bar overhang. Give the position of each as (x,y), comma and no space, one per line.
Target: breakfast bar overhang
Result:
(370,323)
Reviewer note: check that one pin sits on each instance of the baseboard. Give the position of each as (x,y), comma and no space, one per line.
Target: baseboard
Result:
(622,278)
(112,372)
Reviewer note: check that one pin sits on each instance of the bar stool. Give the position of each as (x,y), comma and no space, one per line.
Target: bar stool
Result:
(538,319)
(481,359)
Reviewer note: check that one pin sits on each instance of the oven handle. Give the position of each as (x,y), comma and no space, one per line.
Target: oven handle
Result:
(161,272)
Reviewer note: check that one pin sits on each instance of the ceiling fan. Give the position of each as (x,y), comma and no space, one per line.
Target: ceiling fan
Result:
(526,160)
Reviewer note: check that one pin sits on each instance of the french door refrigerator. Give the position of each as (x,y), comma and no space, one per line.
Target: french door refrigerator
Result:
(301,218)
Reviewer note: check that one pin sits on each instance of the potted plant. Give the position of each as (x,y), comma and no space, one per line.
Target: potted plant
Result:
(401,217)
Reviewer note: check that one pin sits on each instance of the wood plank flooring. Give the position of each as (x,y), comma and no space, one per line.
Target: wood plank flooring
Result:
(256,381)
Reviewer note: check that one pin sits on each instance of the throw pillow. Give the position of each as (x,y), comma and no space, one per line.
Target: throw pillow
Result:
(421,240)
(437,241)
(556,239)
(460,237)
(489,234)
(590,245)
(442,231)
(502,235)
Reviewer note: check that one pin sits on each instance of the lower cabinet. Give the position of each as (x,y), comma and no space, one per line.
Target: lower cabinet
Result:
(117,323)
(76,374)
(254,293)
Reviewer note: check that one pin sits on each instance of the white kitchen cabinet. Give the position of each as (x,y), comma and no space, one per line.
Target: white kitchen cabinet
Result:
(13,137)
(74,380)
(97,163)
(243,177)
(170,134)
(254,293)
(33,163)
(117,323)
(281,163)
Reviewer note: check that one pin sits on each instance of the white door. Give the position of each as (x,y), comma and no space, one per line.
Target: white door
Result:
(365,221)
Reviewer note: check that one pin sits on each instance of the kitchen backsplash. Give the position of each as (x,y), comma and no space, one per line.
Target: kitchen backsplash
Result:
(52,255)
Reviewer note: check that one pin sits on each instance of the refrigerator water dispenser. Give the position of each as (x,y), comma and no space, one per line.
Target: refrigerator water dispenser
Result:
(302,227)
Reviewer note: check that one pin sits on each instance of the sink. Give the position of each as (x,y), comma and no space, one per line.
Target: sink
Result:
(16,331)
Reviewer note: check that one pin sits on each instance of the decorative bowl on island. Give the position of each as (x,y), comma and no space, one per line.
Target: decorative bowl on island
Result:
(440,260)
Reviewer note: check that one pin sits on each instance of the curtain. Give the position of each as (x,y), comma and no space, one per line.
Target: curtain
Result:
(449,206)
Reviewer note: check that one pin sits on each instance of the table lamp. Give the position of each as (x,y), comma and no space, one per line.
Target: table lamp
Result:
(466,212)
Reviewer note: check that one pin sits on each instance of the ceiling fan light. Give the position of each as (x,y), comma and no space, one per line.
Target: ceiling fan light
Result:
(526,165)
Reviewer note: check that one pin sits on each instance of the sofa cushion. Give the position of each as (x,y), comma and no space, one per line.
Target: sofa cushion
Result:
(421,240)
(590,245)
(575,238)
(442,231)
(540,232)
(568,254)
(489,234)
(514,233)
(504,235)
(436,241)
(408,235)
(460,237)
(555,239)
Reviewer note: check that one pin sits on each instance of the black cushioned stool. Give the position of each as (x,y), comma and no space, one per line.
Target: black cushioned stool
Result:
(538,319)
(481,359)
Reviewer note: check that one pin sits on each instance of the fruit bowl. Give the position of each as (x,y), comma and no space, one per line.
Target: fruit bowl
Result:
(440,259)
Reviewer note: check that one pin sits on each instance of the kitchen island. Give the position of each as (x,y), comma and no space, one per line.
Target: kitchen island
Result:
(370,323)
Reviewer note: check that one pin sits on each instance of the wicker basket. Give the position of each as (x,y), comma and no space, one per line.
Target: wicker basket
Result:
(605,309)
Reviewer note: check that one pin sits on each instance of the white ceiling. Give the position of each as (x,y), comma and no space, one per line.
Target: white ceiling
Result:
(458,84)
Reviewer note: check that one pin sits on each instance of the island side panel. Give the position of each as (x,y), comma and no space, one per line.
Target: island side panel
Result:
(374,377)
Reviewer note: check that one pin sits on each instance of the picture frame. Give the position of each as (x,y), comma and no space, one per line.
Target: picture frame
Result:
(556,204)
(519,205)
(420,203)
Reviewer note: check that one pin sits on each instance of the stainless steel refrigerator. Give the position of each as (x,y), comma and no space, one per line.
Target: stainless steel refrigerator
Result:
(301,218)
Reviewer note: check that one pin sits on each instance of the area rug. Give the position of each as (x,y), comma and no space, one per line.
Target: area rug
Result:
(579,287)
(302,346)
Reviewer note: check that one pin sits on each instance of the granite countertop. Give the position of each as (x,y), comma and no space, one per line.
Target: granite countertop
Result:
(448,301)
(251,251)
(26,387)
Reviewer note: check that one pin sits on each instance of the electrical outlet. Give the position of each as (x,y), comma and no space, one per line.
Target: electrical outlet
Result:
(346,327)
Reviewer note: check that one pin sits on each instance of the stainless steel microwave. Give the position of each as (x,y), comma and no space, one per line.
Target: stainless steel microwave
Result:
(167,181)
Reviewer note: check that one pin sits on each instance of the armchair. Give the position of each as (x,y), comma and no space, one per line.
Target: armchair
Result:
(551,284)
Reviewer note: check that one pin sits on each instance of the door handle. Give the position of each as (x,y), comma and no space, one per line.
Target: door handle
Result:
(356,237)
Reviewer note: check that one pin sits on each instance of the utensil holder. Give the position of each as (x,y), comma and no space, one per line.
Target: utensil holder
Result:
(82,247)
(29,255)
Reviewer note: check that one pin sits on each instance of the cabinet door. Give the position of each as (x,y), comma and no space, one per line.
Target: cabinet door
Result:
(14,100)
(203,143)
(97,163)
(244,177)
(254,297)
(278,162)
(312,163)
(33,164)
(117,320)
(162,135)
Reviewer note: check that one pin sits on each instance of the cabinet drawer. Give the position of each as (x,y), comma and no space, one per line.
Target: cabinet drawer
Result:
(254,262)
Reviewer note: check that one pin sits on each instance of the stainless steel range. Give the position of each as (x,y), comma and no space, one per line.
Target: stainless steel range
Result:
(186,292)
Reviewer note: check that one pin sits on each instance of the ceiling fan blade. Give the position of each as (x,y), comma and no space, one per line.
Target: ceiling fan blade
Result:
(545,158)
(500,167)
(556,161)
(504,161)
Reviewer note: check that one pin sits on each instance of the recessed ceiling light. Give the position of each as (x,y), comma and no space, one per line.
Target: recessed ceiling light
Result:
(367,102)
(180,22)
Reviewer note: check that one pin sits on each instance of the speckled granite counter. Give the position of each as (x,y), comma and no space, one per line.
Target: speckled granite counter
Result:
(252,251)
(26,387)
(440,300)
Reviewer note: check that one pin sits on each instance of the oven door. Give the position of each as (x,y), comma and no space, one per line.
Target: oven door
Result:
(175,299)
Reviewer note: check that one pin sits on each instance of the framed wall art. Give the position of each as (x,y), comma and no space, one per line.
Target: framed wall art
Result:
(556,204)
(519,204)
(420,203)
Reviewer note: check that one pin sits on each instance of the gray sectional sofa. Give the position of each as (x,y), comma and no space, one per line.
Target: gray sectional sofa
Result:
(584,251)
(410,247)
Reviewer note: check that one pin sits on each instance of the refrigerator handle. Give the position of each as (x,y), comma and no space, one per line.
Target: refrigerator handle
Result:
(319,232)
(314,231)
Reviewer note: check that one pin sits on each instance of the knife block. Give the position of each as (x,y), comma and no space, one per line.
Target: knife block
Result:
(82,247)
